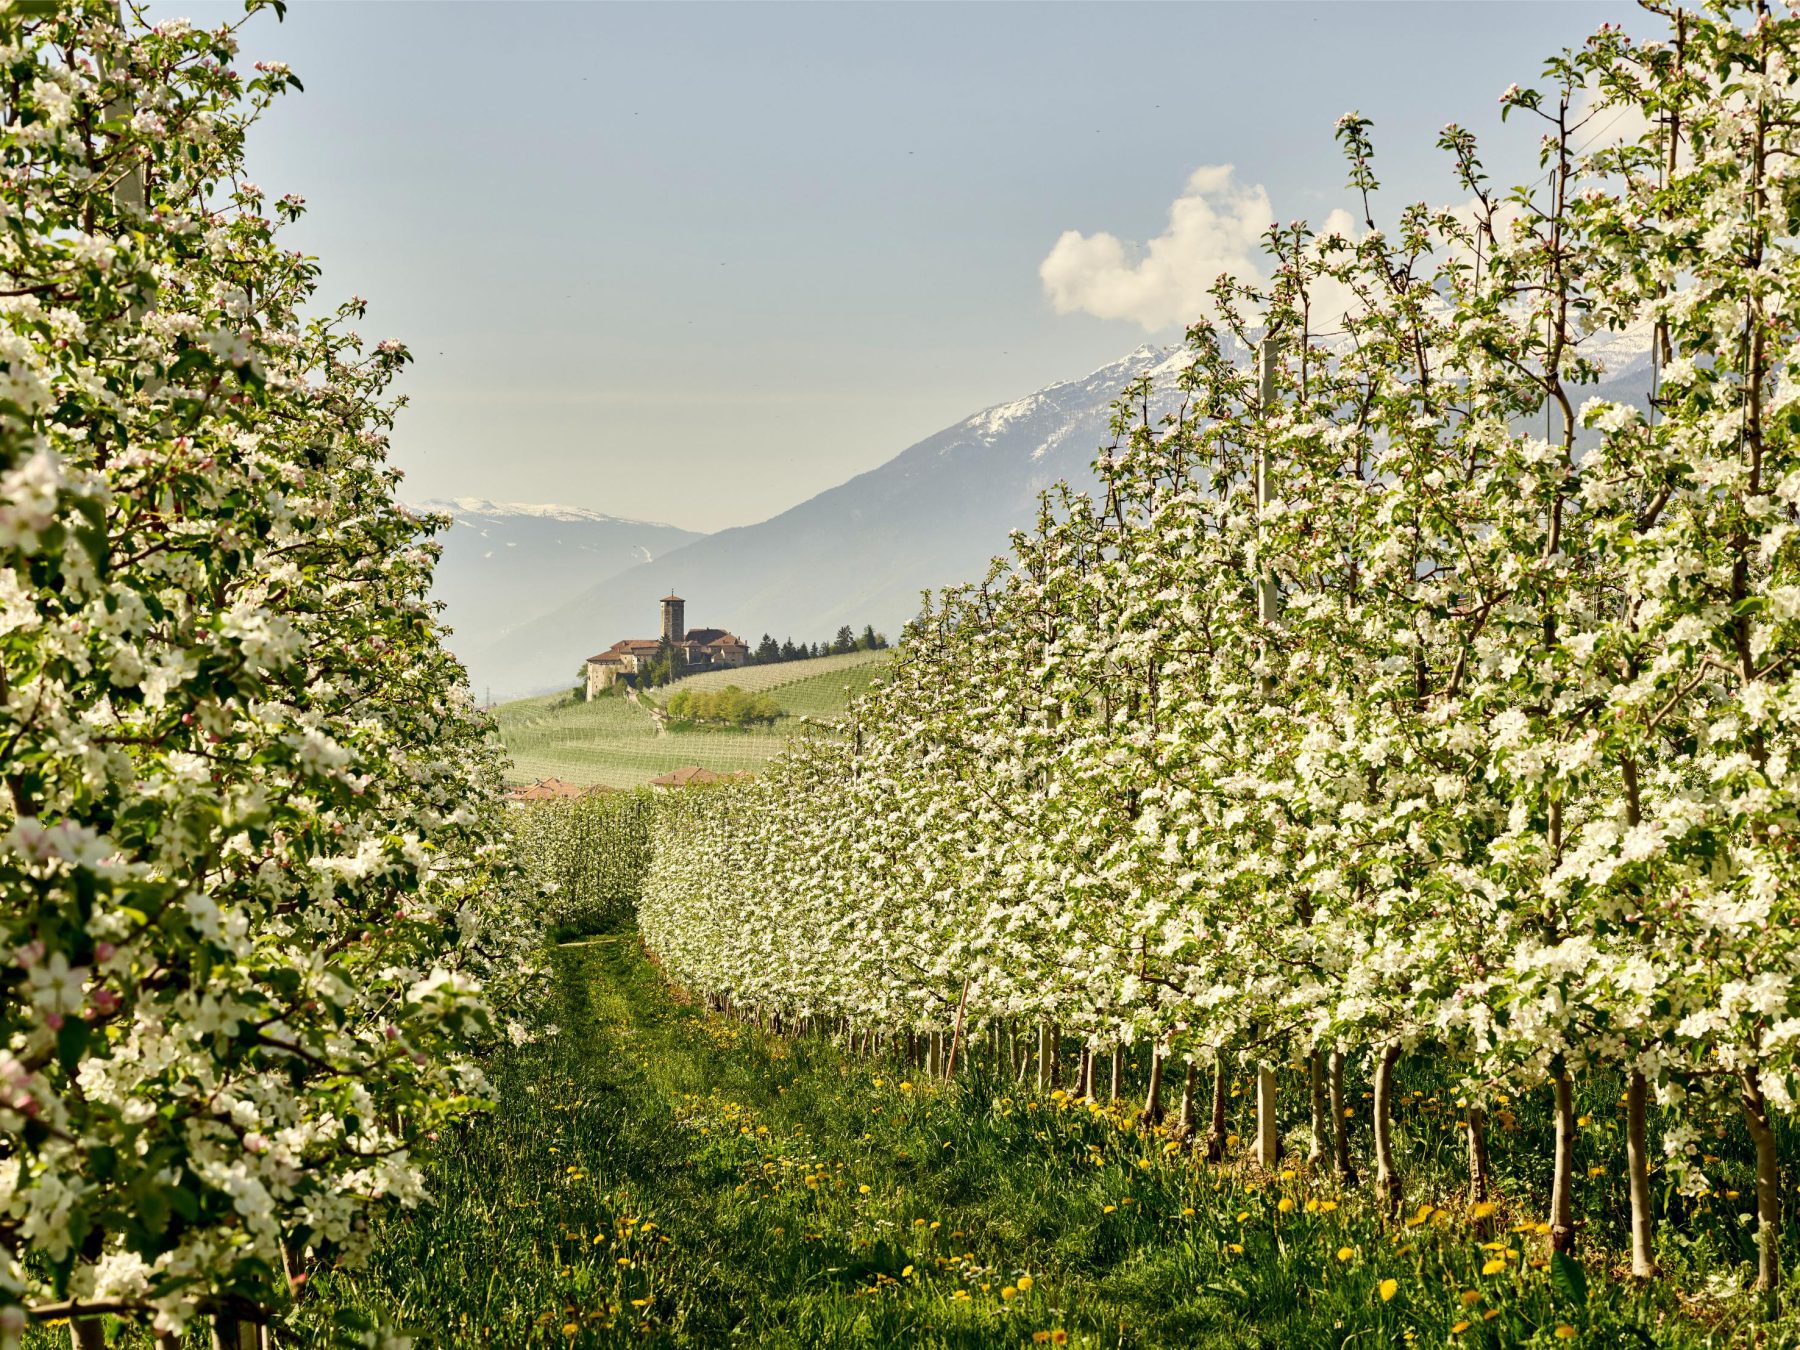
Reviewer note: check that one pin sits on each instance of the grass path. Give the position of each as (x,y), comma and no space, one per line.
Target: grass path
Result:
(657,1175)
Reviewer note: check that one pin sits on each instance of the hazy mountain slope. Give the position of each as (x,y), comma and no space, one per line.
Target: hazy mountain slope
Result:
(506,563)
(861,552)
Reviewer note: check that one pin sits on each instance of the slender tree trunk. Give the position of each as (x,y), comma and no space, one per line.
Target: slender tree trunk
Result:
(1084,1078)
(231,1332)
(1268,1128)
(87,1333)
(1184,1126)
(1387,1173)
(1637,1171)
(1340,1123)
(1153,1104)
(1315,1072)
(1118,1071)
(934,1066)
(1045,1063)
(1768,1192)
(1055,1056)
(1215,1136)
(1562,1177)
(1479,1183)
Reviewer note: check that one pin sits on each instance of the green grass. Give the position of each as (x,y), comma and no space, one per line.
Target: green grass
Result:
(615,742)
(799,1198)
(765,679)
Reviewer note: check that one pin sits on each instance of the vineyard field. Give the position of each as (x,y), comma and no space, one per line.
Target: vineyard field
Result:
(829,674)
(615,742)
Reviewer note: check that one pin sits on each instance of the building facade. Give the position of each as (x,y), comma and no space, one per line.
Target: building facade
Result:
(695,650)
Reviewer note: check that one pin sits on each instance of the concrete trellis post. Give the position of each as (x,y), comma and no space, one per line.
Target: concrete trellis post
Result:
(1268,1139)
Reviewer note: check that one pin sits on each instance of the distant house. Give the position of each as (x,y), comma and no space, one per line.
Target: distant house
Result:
(686,774)
(544,790)
(695,649)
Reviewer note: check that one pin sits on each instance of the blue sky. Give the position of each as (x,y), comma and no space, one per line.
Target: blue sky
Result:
(696,262)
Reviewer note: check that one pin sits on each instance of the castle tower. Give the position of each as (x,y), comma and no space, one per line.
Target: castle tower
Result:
(674,618)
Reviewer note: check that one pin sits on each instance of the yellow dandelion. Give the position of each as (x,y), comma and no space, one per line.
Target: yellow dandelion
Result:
(1483,1209)
(1024,1284)
(1493,1267)
(1108,1209)
(1285,1204)
(1458,1328)
(906,1273)
(1388,1288)
(1237,1248)
(1345,1253)
(1565,1332)
(569,1328)
(862,1190)
(1471,1296)
(1009,1293)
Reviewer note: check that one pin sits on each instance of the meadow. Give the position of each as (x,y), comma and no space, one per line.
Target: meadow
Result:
(615,742)
(655,1173)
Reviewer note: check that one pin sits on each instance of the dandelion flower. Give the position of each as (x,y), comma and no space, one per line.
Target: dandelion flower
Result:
(1388,1289)
(1285,1204)
(1345,1253)
(1024,1283)
(1565,1332)
(1493,1267)
(1483,1209)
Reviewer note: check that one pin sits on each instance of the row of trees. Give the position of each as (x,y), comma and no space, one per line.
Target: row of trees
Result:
(1390,695)
(729,706)
(252,858)
(770,652)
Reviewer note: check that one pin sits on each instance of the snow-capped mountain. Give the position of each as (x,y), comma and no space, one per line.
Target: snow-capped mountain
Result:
(506,563)
(863,551)
(857,554)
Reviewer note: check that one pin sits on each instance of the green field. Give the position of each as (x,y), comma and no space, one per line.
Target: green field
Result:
(830,679)
(615,742)
(654,1174)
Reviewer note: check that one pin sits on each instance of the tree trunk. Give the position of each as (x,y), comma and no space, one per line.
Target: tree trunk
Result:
(1562,1175)
(1153,1102)
(1184,1126)
(1055,1056)
(1084,1078)
(1044,1060)
(87,1333)
(1340,1123)
(1268,1129)
(1479,1182)
(1315,1072)
(1637,1171)
(1118,1071)
(231,1332)
(1768,1193)
(934,1063)
(1387,1173)
(1215,1137)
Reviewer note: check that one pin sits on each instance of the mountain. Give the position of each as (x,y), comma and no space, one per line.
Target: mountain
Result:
(861,552)
(506,563)
(857,554)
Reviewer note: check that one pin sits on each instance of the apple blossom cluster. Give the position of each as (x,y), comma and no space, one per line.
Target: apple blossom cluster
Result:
(1396,693)
(252,851)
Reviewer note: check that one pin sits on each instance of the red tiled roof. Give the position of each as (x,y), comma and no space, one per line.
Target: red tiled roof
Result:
(687,773)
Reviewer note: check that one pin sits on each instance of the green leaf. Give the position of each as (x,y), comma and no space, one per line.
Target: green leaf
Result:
(71,1040)
(1569,1278)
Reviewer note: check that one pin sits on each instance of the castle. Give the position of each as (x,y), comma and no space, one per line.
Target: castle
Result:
(696,649)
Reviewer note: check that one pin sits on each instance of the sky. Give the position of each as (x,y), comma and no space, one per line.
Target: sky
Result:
(697,262)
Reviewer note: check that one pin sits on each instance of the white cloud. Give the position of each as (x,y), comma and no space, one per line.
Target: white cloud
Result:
(1215,226)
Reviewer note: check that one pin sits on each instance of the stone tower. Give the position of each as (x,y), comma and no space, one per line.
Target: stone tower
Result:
(674,618)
